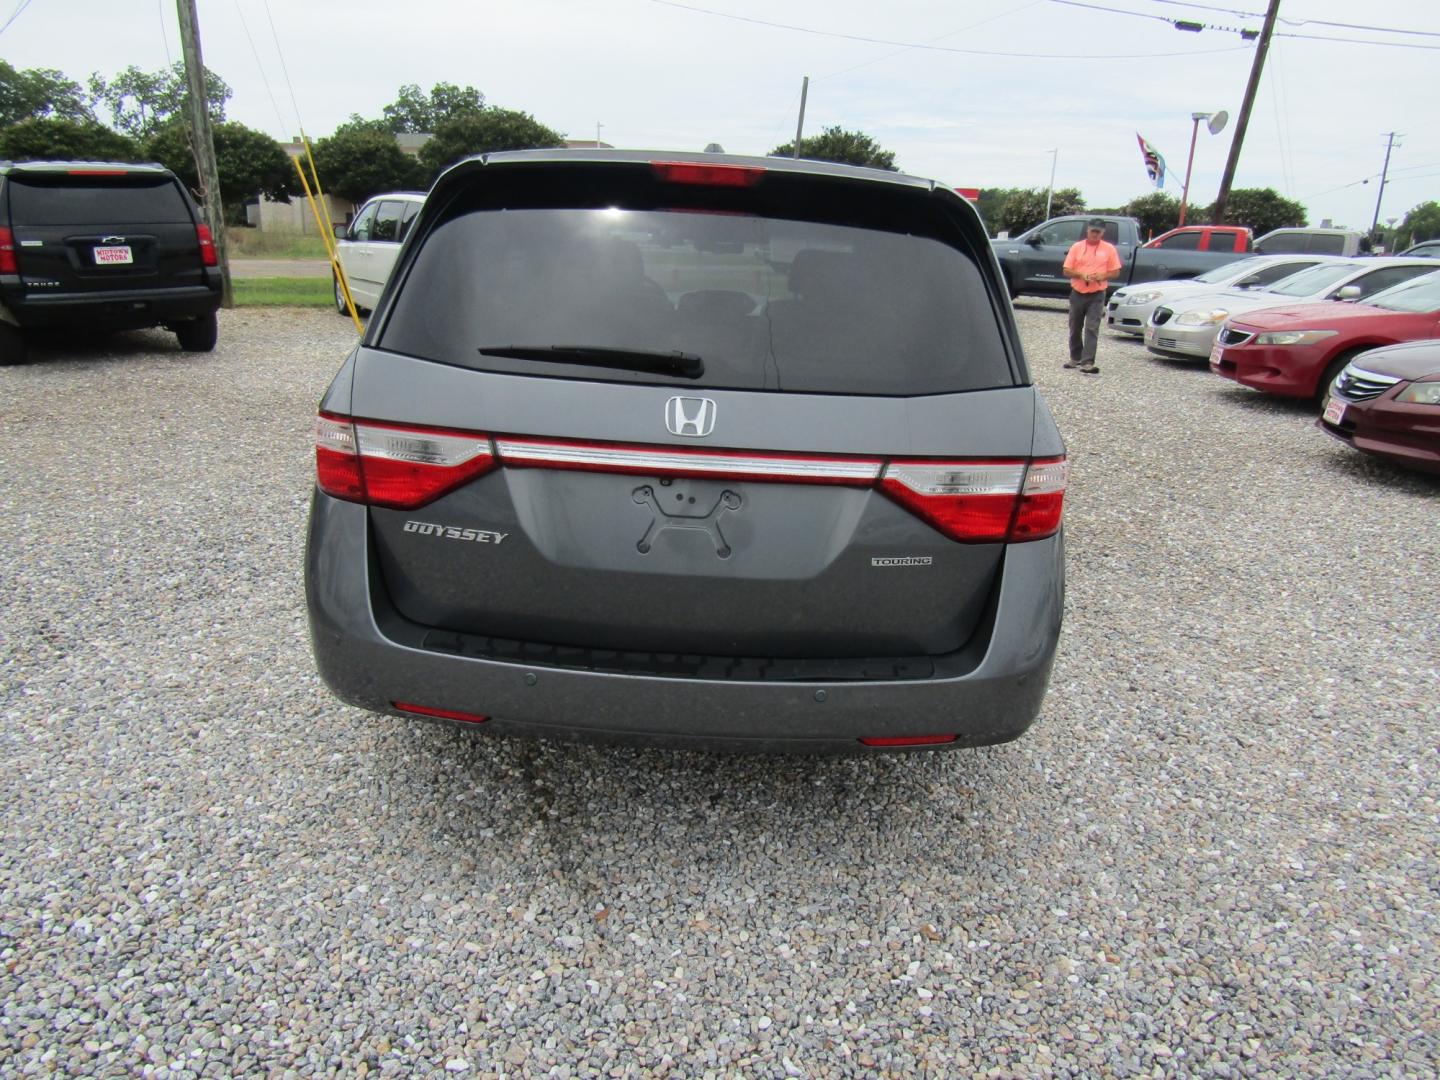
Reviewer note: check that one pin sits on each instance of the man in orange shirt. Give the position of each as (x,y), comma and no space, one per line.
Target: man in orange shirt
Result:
(1089,264)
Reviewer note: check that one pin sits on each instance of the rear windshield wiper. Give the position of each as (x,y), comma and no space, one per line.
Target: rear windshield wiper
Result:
(685,365)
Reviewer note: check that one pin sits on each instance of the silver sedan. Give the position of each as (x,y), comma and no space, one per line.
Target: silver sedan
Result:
(1129,307)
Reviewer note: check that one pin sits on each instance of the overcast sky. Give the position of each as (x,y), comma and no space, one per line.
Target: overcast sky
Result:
(974,93)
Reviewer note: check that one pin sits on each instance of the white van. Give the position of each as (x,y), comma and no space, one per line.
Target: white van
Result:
(367,247)
(1311,242)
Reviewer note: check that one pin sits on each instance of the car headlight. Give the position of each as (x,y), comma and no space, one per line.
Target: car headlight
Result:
(1294,337)
(1139,297)
(1203,318)
(1420,393)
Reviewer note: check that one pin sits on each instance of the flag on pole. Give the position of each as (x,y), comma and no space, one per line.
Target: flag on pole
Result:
(1154,163)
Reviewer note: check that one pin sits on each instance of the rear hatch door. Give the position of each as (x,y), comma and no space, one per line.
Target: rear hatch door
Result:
(689,395)
(98,231)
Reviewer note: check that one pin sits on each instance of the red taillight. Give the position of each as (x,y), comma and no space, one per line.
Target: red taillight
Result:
(910,740)
(207,245)
(443,714)
(392,465)
(8,265)
(982,502)
(685,172)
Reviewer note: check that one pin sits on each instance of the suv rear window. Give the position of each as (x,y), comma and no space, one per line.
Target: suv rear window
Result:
(89,200)
(767,303)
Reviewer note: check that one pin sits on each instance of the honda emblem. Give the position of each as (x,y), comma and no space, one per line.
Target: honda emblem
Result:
(693,417)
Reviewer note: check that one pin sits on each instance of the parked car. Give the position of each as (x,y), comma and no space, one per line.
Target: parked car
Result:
(1428,249)
(1299,351)
(1032,262)
(1129,308)
(1188,329)
(602,466)
(1229,238)
(104,245)
(1346,242)
(368,246)
(1386,402)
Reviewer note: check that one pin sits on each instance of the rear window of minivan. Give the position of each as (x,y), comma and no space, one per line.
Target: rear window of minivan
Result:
(767,303)
(82,201)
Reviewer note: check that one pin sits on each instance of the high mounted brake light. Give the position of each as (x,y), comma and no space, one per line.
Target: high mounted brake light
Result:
(98,172)
(685,172)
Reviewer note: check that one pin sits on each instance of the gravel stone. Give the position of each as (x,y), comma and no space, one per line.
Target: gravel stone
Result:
(1214,855)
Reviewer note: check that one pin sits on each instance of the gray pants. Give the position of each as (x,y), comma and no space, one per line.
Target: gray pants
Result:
(1085,312)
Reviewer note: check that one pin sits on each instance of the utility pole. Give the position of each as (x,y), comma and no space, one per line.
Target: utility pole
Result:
(1244,120)
(1384,170)
(800,126)
(202,142)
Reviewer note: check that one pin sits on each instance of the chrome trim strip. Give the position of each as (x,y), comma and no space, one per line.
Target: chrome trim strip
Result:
(562,455)
(1372,376)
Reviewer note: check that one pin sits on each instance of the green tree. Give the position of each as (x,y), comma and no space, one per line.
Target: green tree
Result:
(1157,212)
(484,132)
(1421,223)
(1263,209)
(990,204)
(414,111)
(1024,208)
(846,147)
(50,138)
(37,92)
(357,162)
(141,102)
(250,163)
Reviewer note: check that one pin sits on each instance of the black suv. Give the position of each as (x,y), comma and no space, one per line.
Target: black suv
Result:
(106,246)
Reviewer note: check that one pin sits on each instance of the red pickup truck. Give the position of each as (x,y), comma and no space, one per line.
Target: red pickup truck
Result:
(1204,238)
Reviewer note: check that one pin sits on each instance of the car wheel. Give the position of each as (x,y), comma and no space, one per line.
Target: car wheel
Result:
(1010,287)
(1332,375)
(198,335)
(12,346)
(341,308)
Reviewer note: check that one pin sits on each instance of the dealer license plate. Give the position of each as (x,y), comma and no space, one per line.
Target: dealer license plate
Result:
(1216,351)
(113,256)
(1334,411)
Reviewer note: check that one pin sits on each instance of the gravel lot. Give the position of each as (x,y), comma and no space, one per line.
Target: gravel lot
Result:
(1213,856)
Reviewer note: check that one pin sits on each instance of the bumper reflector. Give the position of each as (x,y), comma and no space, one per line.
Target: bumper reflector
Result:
(443,714)
(911,740)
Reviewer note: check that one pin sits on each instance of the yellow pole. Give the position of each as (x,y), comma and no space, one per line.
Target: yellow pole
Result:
(328,237)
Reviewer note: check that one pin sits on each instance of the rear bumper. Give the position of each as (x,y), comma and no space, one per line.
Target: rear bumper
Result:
(115,309)
(371,657)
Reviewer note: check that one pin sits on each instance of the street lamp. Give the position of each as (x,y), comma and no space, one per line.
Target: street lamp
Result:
(1050,191)
(1216,124)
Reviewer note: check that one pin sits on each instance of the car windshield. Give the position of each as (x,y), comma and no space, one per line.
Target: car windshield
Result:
(752,302)
(1422,294)
(1226,271)
(1315,279)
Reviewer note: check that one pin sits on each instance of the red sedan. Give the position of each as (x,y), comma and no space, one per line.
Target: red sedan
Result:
(1299,351)
(1387,403)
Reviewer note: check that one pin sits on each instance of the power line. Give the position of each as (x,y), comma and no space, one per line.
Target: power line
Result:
(941,37)
(18,12)
(939,48)
(263,77)
(1248,34)
(1301,22)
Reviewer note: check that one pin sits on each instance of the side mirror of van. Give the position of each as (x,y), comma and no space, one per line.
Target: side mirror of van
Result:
(342,231)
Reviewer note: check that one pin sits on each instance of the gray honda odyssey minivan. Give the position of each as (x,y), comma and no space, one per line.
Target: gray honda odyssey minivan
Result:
(691,449)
